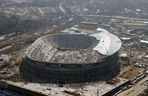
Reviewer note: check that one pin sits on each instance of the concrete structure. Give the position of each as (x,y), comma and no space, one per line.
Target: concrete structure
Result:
(70,58)
(88,25)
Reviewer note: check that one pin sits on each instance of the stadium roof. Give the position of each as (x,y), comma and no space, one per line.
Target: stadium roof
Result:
(109,43)
(74,48)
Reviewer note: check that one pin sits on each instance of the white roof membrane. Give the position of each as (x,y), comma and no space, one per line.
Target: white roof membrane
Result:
(109,43)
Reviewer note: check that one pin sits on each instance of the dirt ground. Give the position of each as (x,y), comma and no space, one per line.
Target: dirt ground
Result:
(129,73)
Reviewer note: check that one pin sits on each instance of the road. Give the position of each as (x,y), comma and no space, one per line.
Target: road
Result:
(62,9)
(117,17)
(136,89)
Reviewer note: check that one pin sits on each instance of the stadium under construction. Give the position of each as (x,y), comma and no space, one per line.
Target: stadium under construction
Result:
(72,57)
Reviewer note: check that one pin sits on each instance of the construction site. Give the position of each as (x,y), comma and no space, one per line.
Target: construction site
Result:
(72,58)
(77,61)
(72,49)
